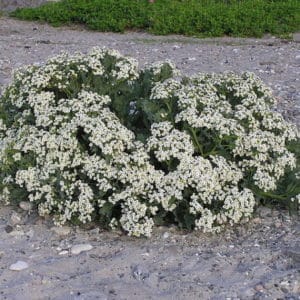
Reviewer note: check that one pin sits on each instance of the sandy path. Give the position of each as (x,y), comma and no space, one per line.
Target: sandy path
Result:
(260,260)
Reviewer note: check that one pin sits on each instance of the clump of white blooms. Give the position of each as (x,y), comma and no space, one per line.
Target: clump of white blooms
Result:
(91,137)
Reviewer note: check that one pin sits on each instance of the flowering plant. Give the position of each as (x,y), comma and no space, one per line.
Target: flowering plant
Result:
(91,137)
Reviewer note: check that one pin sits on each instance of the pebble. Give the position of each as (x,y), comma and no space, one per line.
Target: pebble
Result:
(61,231)
(8,229)
(284,289)
(166,235)
(278,224)
(139,272)
(27,206)
(15,218)
(77,249)
(259,288)
(257,220)
(64,252)
(19,266)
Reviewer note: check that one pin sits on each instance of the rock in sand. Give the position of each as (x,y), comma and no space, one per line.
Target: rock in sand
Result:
(77,249)
(27,206)
(19,266)
(61,231)
(15,218)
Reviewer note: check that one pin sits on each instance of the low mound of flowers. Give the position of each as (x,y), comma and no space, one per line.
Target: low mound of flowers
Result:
(93,138)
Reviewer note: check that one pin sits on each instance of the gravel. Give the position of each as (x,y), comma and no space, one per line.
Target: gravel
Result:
(249,261)
(9,5)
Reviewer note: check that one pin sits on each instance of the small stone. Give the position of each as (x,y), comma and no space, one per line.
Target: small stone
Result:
(278,224)
(8,229)
(139,272)
(15,218)
(268,285)
(61,231)
(284,289)
(259,288)
(27,206)
(257,220)
(166,235)
(77,249)
(64,252)
(19,266)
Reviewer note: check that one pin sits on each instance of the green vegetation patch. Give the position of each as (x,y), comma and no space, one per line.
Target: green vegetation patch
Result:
(201,18)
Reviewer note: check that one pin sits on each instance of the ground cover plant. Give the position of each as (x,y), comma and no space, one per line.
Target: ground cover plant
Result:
(189,17)
(93,138)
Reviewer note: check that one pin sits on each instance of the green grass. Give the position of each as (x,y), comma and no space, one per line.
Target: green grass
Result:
(201,18)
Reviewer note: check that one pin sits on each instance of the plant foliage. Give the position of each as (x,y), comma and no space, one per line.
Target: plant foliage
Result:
(189,17)
(92,137)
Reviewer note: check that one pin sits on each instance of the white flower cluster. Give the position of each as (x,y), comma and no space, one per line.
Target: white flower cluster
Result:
(168,142)
(157,68)
(64,146)
(236,106)
(266,152)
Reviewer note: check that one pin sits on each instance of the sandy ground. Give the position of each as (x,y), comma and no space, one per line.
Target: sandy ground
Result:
(257,260)
(9,5)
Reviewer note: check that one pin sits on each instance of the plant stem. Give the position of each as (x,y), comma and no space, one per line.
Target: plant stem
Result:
(195,139)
